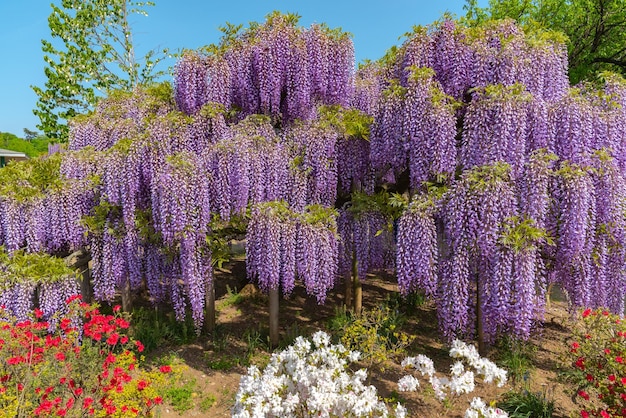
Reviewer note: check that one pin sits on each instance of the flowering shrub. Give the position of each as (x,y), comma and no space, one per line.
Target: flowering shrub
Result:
(596,364)
(375,333)
(86,367)
(309,379)
(461,381)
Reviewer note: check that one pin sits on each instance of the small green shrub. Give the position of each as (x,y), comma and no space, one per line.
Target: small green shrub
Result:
(517,357)
(232,298)
(376,334)
(408,304)
(181,397)
(527,404)
(225,363)
(155,328)
(207,402)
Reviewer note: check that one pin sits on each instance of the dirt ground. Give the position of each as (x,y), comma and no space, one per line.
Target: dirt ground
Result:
(216,363)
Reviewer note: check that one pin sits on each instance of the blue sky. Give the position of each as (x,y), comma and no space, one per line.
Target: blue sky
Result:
(175,24)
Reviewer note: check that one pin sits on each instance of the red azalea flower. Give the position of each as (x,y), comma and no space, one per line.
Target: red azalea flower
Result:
(117,308)
(583,395)
(165,369)
(612,378)
(158,400)
(113,339)
(605,414)
(139,345)
(584,414)
(15,360)
(619,359)
(59,356)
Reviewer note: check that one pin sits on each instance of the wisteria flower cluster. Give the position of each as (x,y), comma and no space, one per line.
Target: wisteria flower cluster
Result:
(86,367)
(461,380)
(310,379)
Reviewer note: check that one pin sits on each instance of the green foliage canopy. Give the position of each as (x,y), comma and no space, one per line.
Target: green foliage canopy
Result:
(596,29)
(91,53)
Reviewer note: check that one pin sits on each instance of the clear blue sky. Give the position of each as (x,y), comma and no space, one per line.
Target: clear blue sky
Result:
(175,24)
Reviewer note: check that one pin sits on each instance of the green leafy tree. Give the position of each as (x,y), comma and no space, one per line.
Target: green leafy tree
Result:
(91,53)
(596,29)
(32,148)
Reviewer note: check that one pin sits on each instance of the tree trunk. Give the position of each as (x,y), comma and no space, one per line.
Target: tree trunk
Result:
(85,284)
(274,302)
(358,296)
(209,315)
(548,292)
(127,298)
(347,299)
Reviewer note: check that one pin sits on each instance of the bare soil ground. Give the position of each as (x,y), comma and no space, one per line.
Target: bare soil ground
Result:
(215,363)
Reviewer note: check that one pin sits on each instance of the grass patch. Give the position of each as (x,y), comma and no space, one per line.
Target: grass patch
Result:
(181,398)
(517,357)
(155,328)
(527,404)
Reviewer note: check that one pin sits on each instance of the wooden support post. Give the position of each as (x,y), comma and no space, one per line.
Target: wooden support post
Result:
(209,315)
(85,284)
(127,297)
(347,295)
(274,302)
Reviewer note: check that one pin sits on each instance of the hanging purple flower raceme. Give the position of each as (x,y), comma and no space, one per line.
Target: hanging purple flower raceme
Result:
(200,79)
(353,165)
(17,298)
(315,145)
(282,244)
(53,298)
(519,243)
(366,236)
(418,253)
(367,88)
(316,250)
(494,127)
(545,74)
(269,240)
(608,281)
(577,218)
(13,223)
(534,186)
(452,59)
(429,126)
(196,272)
(571,122)
(387,147)
(109,262)
(538,126)
(477,205)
